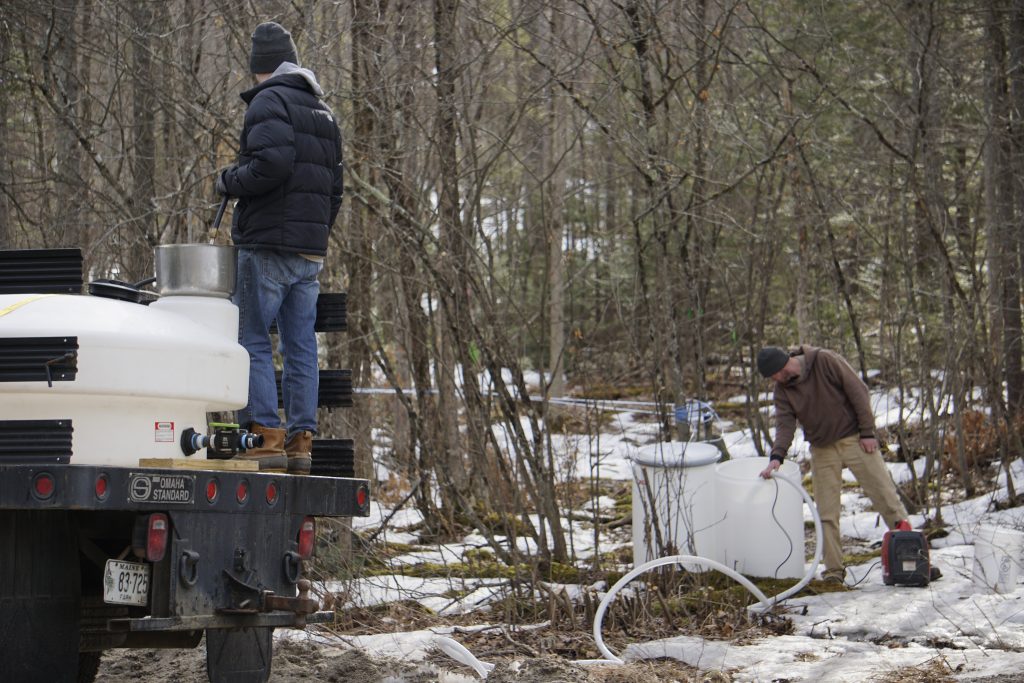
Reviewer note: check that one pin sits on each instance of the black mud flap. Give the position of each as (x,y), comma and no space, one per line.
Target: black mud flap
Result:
(39,597)
(239,655)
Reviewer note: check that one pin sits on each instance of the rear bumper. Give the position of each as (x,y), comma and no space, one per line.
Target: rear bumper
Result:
(89,487)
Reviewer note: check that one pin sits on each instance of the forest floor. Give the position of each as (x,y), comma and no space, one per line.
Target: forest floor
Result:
(296,661)
(952,630)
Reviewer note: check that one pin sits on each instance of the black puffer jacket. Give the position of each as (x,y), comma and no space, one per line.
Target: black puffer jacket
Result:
(289,173)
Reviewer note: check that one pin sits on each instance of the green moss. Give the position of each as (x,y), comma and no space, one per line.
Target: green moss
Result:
(860,558)
(624,501)
(455,570)
(621,555)
(479,555)
(563,573)
(395,549)
(484,567)
(503,523)
(818,586)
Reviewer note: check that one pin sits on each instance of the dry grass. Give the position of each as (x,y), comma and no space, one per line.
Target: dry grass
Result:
(935,670)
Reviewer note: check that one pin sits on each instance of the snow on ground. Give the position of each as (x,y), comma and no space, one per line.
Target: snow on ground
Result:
(857,635)
(876,629)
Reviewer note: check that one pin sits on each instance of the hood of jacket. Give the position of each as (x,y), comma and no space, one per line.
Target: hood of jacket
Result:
(288,74)
(809,354)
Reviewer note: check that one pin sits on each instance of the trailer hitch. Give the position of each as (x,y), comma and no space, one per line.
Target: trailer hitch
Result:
(244,586)
(301,605)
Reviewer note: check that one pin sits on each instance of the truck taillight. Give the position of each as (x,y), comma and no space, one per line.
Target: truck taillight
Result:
(307,536)
(361,496)
(242,492)
(101,487)
(156,537)
(43,485)
(211,490)
(272,493)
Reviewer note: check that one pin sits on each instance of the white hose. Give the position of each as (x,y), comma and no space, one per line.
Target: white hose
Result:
(459,653)
(764,603)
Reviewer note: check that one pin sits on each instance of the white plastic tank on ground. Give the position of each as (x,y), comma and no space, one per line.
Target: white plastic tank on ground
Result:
(762,522)
(998,552)
(674,501)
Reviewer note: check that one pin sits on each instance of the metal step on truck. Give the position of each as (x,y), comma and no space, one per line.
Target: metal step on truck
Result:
(124,520)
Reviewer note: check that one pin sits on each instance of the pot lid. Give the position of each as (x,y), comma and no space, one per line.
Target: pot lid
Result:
(115,289)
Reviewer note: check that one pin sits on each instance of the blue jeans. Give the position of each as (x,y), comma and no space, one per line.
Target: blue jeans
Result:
(281,285)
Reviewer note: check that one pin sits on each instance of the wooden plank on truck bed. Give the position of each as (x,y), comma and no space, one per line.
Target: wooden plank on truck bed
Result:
(200,464)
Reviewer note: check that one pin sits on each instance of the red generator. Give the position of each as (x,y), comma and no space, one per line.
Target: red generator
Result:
(905,559)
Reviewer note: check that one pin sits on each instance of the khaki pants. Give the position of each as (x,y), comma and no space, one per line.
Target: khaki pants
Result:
(827,465)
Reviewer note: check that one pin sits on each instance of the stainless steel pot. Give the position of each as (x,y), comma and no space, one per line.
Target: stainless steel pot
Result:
(195,270)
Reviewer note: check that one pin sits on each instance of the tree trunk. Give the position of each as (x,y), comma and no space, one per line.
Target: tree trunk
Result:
(1013,238)
(64,78)
(138,262)
(359,234)
(555,134)
(1003,261)
(454,332)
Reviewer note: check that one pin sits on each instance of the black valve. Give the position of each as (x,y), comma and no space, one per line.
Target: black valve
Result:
(192,441)
(226,443)
(249,440)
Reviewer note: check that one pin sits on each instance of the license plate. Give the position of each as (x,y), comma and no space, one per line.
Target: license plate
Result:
(125,583)
(161,488)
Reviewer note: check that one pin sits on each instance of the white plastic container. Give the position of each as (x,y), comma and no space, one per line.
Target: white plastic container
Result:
(762,527)
(998,553)
(674,501)
(219,316)
(144,373)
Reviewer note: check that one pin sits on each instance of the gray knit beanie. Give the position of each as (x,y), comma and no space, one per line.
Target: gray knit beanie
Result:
(770,360)
(271,45)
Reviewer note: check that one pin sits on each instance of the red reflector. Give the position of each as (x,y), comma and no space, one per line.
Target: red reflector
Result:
(211,490)
(156,537)
(307,535)
(361,496)
(271,493)
(242,492)
(101,486)
(44,485)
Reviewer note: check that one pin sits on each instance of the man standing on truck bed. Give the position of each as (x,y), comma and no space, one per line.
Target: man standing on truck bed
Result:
(288,181)
(820,389)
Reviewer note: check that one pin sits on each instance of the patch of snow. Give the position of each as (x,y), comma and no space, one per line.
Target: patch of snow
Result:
(856,635)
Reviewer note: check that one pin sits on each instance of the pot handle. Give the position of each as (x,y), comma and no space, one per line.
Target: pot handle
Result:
(216,220)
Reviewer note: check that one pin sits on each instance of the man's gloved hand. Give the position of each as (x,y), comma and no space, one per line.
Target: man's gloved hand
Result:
(220,187)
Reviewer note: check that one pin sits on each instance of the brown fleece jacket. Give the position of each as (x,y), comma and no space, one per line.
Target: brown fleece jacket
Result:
(828,399)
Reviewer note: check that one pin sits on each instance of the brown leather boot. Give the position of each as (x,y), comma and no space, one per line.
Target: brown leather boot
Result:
(300,452)
(270,456)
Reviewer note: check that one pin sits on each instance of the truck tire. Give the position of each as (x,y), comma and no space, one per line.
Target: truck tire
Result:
(239,655)
(40,589)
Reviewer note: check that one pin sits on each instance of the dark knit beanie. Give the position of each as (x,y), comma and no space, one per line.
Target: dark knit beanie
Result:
(271,45)
(770,360)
